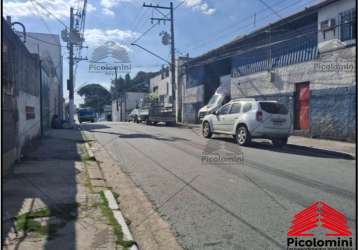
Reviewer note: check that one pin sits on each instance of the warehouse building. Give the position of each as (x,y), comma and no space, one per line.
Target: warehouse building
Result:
(306,60)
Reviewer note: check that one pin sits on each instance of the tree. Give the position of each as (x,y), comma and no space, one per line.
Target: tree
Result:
(140,83)
(96,96)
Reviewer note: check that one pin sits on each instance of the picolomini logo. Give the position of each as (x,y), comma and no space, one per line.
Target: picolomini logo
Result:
(110,58)
(319,227)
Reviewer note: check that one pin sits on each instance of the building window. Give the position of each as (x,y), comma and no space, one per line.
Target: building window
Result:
(348,25)
(30,113)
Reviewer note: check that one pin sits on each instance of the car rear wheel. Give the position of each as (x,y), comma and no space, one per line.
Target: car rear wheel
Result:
(279,142)
(243,136)
(206,130)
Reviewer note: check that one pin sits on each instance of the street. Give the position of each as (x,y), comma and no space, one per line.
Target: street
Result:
(247,204)
(179,125)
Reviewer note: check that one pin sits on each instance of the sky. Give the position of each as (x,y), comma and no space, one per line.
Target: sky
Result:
(200,25)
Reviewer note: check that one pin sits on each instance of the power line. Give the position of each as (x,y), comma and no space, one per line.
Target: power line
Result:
(42,19)
(155,24)
(247,26)
(140,20)
(50,13)
(270,8)
(244,19)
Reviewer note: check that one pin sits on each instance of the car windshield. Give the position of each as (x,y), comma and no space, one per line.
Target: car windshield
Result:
(85,112)
(214,99)
(273,108)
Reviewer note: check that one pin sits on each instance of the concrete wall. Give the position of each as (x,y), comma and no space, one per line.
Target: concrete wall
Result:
(48,46)
(193,100)
(20,89)
(28,129)
(332,84)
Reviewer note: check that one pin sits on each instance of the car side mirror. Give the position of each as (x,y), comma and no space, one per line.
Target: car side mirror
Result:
(215,112)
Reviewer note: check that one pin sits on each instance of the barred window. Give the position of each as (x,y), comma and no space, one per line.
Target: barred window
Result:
(348,25)
(30,112)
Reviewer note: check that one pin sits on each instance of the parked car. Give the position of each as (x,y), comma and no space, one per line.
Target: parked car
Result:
(246,119)
(133,116)
(86,115)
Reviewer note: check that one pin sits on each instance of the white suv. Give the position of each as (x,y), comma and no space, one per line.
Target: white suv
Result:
(247,118)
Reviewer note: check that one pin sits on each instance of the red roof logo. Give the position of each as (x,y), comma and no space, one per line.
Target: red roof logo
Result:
(319,215)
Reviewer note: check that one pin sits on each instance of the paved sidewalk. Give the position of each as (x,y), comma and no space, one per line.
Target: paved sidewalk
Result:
(338,147)
(51,183)
(329,147)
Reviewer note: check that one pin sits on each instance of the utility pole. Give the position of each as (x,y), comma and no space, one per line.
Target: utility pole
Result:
(172,48)
(73,38)
(172,43)
(70,86)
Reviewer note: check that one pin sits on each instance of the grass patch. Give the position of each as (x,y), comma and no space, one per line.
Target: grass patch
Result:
(107,212)
(26,222)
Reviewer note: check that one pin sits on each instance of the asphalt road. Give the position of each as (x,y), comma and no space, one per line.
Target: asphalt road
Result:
(246,200)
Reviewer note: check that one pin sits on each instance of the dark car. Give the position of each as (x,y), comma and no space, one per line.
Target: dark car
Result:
(86,115)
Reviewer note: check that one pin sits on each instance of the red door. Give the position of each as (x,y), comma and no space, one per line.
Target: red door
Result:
(302,106)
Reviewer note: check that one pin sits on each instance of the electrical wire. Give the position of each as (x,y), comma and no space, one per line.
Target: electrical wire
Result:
(244,19)
(155,24)
(50,13)
(243,27)
(42,19)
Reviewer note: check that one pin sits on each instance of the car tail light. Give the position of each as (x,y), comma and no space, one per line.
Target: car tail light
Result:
(259,116)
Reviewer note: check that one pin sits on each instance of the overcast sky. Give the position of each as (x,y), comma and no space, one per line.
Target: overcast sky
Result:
(200,25)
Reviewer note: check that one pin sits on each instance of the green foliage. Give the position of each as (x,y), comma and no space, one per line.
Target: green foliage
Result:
(107,212)
(153,97)
(96,96)
(140,83)
(25,222)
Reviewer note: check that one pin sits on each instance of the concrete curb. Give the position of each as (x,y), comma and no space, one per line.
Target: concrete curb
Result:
(188,125)
(328,152)
(89,151)
(113,205)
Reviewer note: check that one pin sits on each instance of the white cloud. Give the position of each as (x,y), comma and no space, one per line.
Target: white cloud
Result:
(200,5)
(97,37)
(108,5)
(108,12)
(59,8)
